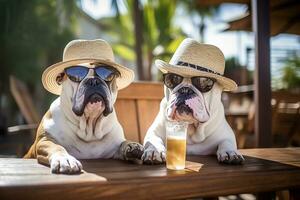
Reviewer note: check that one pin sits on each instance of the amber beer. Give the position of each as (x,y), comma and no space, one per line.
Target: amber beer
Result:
(176,145)
(176,151)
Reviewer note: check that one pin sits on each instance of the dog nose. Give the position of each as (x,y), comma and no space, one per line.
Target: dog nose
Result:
(93,82)
(186,90)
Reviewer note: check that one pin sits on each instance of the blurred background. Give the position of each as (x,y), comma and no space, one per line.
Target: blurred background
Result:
(33,34)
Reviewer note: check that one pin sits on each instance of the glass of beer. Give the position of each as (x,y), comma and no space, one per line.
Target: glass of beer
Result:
(176,144)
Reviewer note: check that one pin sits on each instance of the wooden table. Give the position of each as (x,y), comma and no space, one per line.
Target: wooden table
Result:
(264,170)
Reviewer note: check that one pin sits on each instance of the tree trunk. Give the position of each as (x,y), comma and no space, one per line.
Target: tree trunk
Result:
(149,70)
(202,29)
(137,17)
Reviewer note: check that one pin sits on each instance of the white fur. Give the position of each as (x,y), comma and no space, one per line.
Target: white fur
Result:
(79,138)
(64,163)
(83,137)
(213,136)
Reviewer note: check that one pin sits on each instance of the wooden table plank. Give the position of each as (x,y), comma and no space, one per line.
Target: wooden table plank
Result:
(27,172)
(289,156)
(113,179)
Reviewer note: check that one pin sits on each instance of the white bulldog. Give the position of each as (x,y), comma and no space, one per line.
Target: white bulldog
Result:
(194,82)
(82,122)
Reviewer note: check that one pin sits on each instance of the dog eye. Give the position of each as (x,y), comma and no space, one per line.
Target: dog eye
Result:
(172,80)
(106,73)
(76,73)
(203,84)
(176,79)
(110,77)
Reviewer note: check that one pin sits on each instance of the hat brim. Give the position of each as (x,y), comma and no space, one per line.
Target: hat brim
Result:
(50,74)
(226,83)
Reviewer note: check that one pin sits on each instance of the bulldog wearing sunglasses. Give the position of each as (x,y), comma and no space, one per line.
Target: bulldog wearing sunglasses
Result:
(193,83)
(81,123)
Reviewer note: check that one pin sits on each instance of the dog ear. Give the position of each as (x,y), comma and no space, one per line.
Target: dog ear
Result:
(60,78)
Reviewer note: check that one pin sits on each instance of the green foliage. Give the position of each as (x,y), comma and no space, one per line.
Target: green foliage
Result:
(237,72)
(291,73)
(149,26)
(158,27)
(232,64)
(32,36)
(195,9)
(160,37)
(126,52)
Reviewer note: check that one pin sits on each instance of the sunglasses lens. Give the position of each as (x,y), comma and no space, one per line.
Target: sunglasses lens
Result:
(203,84)
(106,73)
(172,80)
(76,73)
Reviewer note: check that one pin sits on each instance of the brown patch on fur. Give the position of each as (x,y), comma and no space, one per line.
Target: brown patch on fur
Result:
(39,134)
(192,128)
(44,145)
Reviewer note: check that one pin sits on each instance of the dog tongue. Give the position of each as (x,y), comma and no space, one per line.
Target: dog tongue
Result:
(199,110)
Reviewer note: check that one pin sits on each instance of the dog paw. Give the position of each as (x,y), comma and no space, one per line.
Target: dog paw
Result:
(152,156)
(64,164)
(133,151)
(230,157)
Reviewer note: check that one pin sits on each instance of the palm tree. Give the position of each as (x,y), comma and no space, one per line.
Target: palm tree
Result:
(154,36)
(194,8)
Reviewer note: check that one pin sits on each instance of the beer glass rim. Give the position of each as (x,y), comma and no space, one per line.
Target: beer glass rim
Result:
(182,123)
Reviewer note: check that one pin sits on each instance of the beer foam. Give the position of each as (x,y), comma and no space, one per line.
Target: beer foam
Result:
(176,137)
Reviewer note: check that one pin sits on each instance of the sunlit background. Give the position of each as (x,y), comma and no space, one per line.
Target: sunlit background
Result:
(33,34)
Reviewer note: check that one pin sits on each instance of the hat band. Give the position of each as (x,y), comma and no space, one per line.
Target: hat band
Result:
(185,64)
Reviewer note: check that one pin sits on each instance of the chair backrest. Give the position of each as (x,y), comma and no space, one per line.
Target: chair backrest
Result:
(137,106)
(24,100)
(285,112)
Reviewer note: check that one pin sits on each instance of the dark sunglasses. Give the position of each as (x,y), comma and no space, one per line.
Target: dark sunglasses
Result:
(203,84)
(78,73)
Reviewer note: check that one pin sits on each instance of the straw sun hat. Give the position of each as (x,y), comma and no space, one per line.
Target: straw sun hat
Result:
(85,51)
(192,58)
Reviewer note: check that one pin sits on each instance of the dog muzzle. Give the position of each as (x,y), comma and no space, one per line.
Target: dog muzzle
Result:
(188,101)
(92,90)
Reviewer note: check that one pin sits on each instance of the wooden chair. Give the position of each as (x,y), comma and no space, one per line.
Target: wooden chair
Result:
(137,106)
(285,117)
(20,137)
(24,100)
(285,121)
